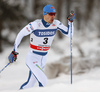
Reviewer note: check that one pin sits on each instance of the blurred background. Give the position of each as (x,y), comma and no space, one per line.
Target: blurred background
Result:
(15,14)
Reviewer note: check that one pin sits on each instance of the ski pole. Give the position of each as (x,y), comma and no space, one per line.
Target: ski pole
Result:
(4,67)
(71,50)
(72,14)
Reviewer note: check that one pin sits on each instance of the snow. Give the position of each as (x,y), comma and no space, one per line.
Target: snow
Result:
(17,73)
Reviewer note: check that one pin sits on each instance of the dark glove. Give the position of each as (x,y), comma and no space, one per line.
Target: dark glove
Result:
(71,16)
(13,56)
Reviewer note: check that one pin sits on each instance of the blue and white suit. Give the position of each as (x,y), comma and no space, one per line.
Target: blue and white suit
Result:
(41,37)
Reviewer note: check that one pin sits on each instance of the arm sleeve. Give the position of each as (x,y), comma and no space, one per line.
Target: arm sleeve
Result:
(65,30)
(28,29)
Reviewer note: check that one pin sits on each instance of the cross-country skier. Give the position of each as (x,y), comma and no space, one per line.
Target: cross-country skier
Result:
(42,32)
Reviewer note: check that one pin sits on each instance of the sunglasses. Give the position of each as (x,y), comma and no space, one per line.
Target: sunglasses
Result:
(52,14)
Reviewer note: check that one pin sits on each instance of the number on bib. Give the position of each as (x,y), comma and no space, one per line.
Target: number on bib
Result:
(46,41)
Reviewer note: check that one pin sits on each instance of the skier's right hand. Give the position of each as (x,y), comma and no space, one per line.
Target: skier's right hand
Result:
(13,56)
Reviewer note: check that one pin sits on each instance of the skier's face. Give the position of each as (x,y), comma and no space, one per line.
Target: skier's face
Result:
(49,17)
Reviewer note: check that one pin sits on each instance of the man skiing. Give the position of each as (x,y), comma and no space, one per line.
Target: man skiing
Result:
(42,32)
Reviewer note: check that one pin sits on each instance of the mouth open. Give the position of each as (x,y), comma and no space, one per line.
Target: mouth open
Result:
(52,20)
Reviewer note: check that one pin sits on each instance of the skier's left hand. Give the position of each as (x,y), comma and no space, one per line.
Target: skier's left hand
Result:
(71,16)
